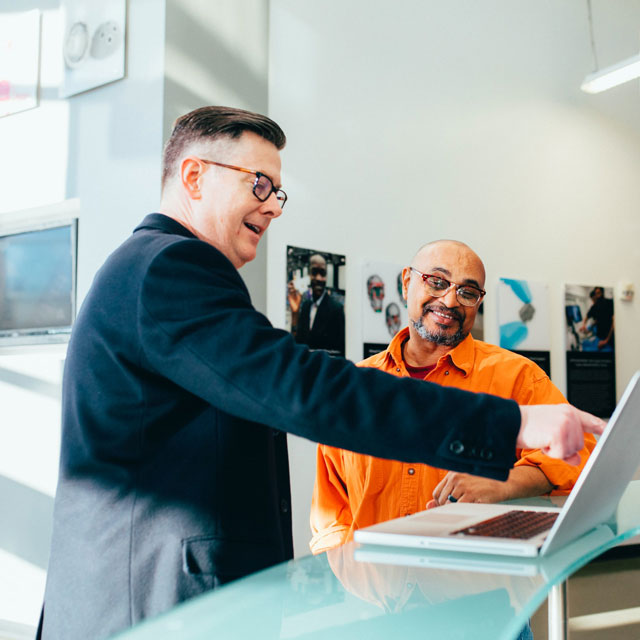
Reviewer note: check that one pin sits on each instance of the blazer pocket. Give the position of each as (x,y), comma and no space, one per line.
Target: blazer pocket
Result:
(225,559)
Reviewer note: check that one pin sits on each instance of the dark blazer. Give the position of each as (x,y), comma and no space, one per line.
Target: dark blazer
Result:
(173,472)
(327,331)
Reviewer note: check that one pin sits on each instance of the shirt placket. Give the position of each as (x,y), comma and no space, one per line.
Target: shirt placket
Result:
(410,483)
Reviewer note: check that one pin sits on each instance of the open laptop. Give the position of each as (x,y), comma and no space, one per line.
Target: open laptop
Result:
(486,563)
(480,528)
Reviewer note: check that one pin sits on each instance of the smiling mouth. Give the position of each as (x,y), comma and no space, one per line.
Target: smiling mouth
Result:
(253,227)
(445,317)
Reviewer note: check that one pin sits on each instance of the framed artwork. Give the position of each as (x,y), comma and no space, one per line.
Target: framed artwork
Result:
(315,298)
(19,60)
(93,44)
(590,348)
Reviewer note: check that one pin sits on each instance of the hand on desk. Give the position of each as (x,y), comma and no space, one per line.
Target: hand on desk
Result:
(524,481)
(466,488)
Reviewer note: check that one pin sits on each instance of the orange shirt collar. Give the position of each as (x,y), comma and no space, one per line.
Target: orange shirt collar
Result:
(462,356)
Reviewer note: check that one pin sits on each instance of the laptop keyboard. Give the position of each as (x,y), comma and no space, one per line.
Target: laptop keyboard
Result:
(521,525)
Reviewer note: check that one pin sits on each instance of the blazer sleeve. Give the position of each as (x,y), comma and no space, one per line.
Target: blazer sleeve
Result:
(198,328)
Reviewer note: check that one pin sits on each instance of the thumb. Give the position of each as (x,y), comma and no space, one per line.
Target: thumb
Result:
(574,460)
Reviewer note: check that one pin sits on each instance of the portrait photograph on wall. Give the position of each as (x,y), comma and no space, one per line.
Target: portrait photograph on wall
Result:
(384,310)
(93,44)
(524,321)
(19,61)
(315,299)
(590,346)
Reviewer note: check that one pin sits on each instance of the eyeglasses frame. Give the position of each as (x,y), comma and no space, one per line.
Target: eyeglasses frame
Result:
(258,175)
(424,277)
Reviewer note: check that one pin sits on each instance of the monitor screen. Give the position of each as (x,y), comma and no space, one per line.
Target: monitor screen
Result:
(37,281)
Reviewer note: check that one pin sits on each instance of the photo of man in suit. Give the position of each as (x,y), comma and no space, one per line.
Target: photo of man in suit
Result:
(177,395)
(317,318)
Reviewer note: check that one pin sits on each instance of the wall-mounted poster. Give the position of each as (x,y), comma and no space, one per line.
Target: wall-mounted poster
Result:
(523,319)
(590,339)
(315,298)
(93,44)
(19,59)
(384,310)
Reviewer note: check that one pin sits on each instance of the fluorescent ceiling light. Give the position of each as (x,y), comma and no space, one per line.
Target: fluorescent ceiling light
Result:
(612,76)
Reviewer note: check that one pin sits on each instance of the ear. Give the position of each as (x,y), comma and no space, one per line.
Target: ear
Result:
(191,171)
(406,277)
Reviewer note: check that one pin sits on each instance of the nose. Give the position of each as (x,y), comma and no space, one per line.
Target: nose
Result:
(450,298)
(271,206)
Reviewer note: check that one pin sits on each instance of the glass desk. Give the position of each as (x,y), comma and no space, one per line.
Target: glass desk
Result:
(366,591)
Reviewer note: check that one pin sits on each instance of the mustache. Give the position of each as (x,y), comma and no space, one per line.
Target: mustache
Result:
(440,307)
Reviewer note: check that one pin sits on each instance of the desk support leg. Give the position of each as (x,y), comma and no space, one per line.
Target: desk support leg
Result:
(557,609)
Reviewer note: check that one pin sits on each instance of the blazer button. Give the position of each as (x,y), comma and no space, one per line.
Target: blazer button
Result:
(456,447)
(486,454)
(284,506)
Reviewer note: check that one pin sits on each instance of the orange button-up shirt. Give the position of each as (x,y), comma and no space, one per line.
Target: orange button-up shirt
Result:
(353,490)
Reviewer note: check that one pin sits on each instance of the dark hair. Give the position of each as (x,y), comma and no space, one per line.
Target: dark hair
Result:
(213,123)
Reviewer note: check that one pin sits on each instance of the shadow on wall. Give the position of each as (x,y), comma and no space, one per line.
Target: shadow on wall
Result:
(30,383)
(214,64)
(27,515)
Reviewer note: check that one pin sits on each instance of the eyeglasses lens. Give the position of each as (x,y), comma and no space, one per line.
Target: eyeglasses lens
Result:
(438,287)
(263,188)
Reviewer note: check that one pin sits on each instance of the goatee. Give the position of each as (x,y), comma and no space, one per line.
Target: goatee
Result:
(440,337)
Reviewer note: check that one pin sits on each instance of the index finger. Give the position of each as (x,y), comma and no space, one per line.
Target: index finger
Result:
(437,491)
(590,423)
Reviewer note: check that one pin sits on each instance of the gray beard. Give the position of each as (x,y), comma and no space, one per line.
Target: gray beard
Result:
(439,337)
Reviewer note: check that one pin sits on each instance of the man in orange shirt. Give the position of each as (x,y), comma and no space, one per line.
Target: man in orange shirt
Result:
(443,289)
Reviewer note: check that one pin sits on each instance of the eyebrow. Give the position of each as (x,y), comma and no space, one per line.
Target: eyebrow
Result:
(447,273)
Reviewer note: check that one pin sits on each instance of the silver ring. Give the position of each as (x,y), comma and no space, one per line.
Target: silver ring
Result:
(450,498)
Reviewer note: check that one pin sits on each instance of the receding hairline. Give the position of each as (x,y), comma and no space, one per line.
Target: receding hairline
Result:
(434,243)
(454,243)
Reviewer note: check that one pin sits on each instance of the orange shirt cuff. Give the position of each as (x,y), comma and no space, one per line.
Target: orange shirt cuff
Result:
(329,538)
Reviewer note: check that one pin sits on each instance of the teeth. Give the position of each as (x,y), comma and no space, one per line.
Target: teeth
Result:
(252,227)
(444,315)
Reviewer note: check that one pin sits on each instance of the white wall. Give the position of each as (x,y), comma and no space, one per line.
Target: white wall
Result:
(103,148)
(422,119)
(219,57)
(406,121)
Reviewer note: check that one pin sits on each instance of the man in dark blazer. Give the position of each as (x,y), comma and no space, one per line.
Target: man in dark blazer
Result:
(320,324)
(177,393)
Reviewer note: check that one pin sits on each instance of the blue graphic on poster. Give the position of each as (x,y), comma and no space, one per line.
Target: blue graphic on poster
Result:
(523,315)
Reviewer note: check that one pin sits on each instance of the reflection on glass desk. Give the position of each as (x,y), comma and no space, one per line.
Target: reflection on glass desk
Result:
(365,591)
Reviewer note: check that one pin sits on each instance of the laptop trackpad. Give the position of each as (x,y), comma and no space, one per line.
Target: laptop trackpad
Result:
(442,520)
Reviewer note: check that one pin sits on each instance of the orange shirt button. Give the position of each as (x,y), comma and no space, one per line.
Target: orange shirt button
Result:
(411,471)
(446,373)
(398,369)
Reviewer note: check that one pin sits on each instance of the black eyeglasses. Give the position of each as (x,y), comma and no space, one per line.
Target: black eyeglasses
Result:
(262,185)
(466,294)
